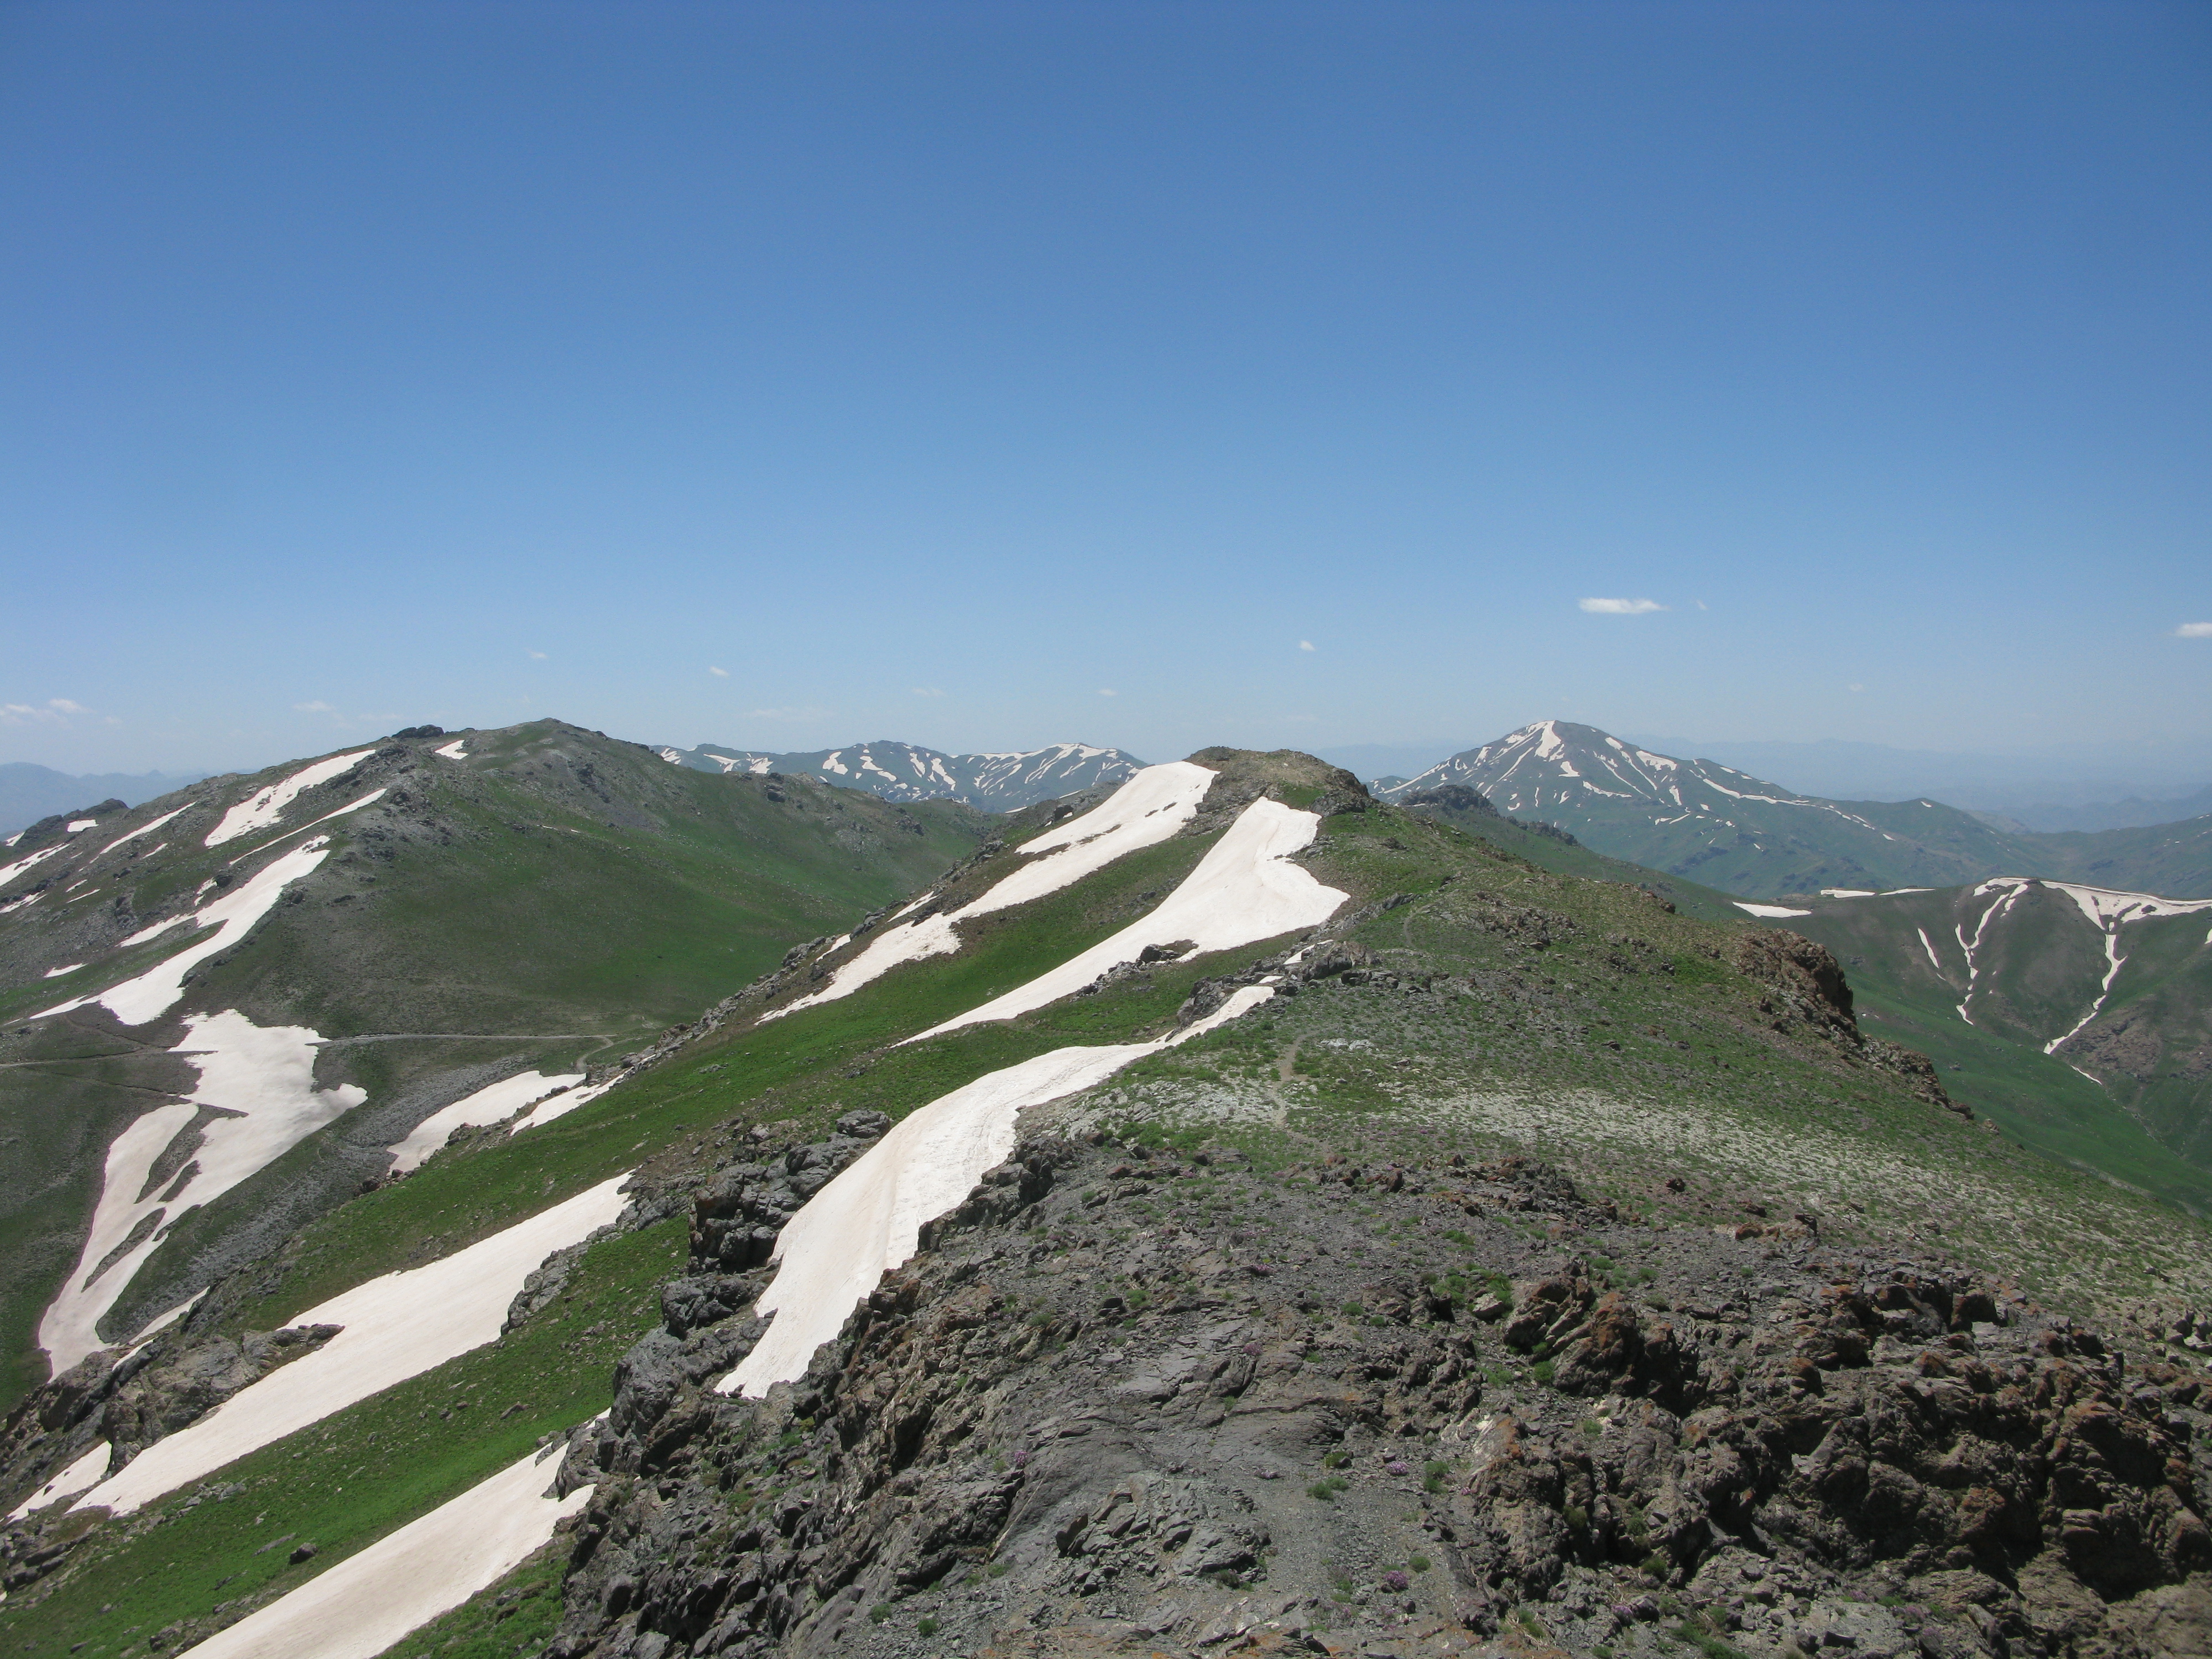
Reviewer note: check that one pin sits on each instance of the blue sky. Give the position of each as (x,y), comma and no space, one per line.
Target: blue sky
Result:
(1154,375)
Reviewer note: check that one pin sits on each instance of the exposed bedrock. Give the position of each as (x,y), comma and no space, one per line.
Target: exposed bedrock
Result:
(1142,1401)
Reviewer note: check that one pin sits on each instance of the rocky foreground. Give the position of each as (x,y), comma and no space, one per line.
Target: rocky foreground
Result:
(1134,1399)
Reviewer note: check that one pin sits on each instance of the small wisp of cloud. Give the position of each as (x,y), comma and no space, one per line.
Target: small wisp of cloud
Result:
(537,656)
(1305,644)
(1108,691)
(53,711)
(928,691)
(720,673)
(318,707)
(2194,631)
(1620,607)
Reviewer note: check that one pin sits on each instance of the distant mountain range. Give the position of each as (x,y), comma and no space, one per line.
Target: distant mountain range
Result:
(29,793)
(1731,831)
(999,782)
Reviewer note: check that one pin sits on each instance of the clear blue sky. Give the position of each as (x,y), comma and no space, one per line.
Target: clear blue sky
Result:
(934,370)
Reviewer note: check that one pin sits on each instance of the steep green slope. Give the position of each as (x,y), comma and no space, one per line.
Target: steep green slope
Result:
(547,900)
(1550,848)
(2005,985)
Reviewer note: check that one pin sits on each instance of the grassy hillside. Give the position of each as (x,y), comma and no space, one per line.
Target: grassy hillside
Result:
(2129,1092)
(1505,1008)
(550,901)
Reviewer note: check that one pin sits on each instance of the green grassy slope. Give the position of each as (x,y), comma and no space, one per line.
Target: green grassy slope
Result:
(1515,1008)
(554,899)
(2142,1113)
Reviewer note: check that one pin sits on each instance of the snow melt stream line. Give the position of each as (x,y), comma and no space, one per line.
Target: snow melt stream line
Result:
(396,1326)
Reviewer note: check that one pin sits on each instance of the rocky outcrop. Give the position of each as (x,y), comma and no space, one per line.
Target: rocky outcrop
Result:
(1108,1407)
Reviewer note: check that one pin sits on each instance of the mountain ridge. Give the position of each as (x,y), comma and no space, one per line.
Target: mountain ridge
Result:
(1730,830)
(999,781)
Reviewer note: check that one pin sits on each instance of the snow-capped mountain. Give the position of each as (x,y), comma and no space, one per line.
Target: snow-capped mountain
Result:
(999,782)
(1744,835)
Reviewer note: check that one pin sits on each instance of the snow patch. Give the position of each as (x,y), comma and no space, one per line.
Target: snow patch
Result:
(1771,911)
(261,1078)
(78,826)
(1931,949)
(489,1104)
(1244,890)
(1147,810)
(56,973)
(339,812)
(868,1221)
(143,830)
(264,806)
(368,1601)
(224,923)
(454,751)
(396,1327)
(87,1471)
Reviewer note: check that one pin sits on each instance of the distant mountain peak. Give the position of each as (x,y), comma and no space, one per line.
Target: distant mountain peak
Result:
(998,780)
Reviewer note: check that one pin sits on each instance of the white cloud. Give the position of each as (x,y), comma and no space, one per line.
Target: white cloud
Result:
(537,656)
(1621,607)
(808,714)
(2194,631)
(928,691)
(1305,644)
(317,707)
(720,673)
(1105,691)
(1855,686)
(1701,605)
(53,711)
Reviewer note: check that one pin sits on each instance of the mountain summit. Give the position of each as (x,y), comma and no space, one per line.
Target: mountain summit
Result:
(1728,830)
(1004,782)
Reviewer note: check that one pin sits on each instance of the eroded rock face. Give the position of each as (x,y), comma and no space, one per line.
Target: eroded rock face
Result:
(1126,1399)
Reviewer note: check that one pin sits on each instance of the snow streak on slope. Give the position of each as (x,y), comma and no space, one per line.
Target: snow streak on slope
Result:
(133,835)
(369,799)
(226,922)
(452,751)
(366,1602)
(1245,890)
(2108,910)
(396,1327)
(1769,911)
(486,1105)
(264,807)
(87,1471)
(1147,810)
(868,1220)
(256,1099)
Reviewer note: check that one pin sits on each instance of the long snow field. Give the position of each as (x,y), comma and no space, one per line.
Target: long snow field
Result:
(1147,810)
(264,806)
(868,1220)
(396,1327)
(486,1105)
(366,1602)
(260,1082)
